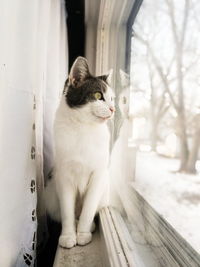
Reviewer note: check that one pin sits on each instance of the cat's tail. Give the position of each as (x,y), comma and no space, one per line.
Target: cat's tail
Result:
(51,200)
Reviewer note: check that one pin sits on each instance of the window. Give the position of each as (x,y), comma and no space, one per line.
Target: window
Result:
(156,84)
(165,106)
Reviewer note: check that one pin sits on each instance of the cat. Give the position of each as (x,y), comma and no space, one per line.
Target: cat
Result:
(79,187)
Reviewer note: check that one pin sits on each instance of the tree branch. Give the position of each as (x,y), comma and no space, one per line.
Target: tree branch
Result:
(160,72)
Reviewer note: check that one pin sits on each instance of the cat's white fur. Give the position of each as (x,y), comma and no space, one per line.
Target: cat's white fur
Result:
(81,165)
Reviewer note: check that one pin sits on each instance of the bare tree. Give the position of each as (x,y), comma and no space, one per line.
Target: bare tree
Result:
(193,155)
(179,42)
(175,86)
(158,106)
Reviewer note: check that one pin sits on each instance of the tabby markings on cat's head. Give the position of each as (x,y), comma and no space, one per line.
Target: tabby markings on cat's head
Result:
(91,95)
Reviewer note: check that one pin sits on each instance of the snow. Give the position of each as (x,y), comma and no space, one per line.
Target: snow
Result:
(176,196)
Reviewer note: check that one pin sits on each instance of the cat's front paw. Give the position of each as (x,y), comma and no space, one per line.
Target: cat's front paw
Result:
(68,240)
(84,238)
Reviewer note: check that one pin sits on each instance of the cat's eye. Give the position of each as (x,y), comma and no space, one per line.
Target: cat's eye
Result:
(98,95)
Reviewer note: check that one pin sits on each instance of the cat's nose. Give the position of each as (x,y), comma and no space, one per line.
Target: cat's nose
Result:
(112,109)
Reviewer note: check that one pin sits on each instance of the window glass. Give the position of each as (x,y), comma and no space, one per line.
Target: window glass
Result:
(162,108)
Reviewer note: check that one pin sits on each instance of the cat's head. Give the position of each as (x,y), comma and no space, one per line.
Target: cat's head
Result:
(124,96)
(90,97)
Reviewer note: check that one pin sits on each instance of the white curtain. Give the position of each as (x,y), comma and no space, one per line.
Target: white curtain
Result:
(33,68)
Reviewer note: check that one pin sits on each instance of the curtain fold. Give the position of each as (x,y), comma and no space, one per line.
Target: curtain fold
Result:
(33,69)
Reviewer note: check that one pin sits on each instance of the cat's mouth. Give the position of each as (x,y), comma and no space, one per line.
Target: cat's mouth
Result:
(103,118)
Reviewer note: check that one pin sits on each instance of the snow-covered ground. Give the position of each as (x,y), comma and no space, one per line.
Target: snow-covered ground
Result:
(175,196)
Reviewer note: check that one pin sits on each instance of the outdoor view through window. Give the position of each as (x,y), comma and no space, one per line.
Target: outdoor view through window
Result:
(165,111)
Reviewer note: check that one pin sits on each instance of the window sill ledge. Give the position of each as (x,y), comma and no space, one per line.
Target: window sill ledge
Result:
(111,245)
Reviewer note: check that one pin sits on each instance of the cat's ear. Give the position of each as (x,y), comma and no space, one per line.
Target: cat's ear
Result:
(125,79)
(107,77)
(79,72)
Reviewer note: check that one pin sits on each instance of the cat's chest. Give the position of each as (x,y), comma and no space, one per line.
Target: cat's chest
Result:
(88,146)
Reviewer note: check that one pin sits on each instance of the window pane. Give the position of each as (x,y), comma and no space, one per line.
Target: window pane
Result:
(165,111)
